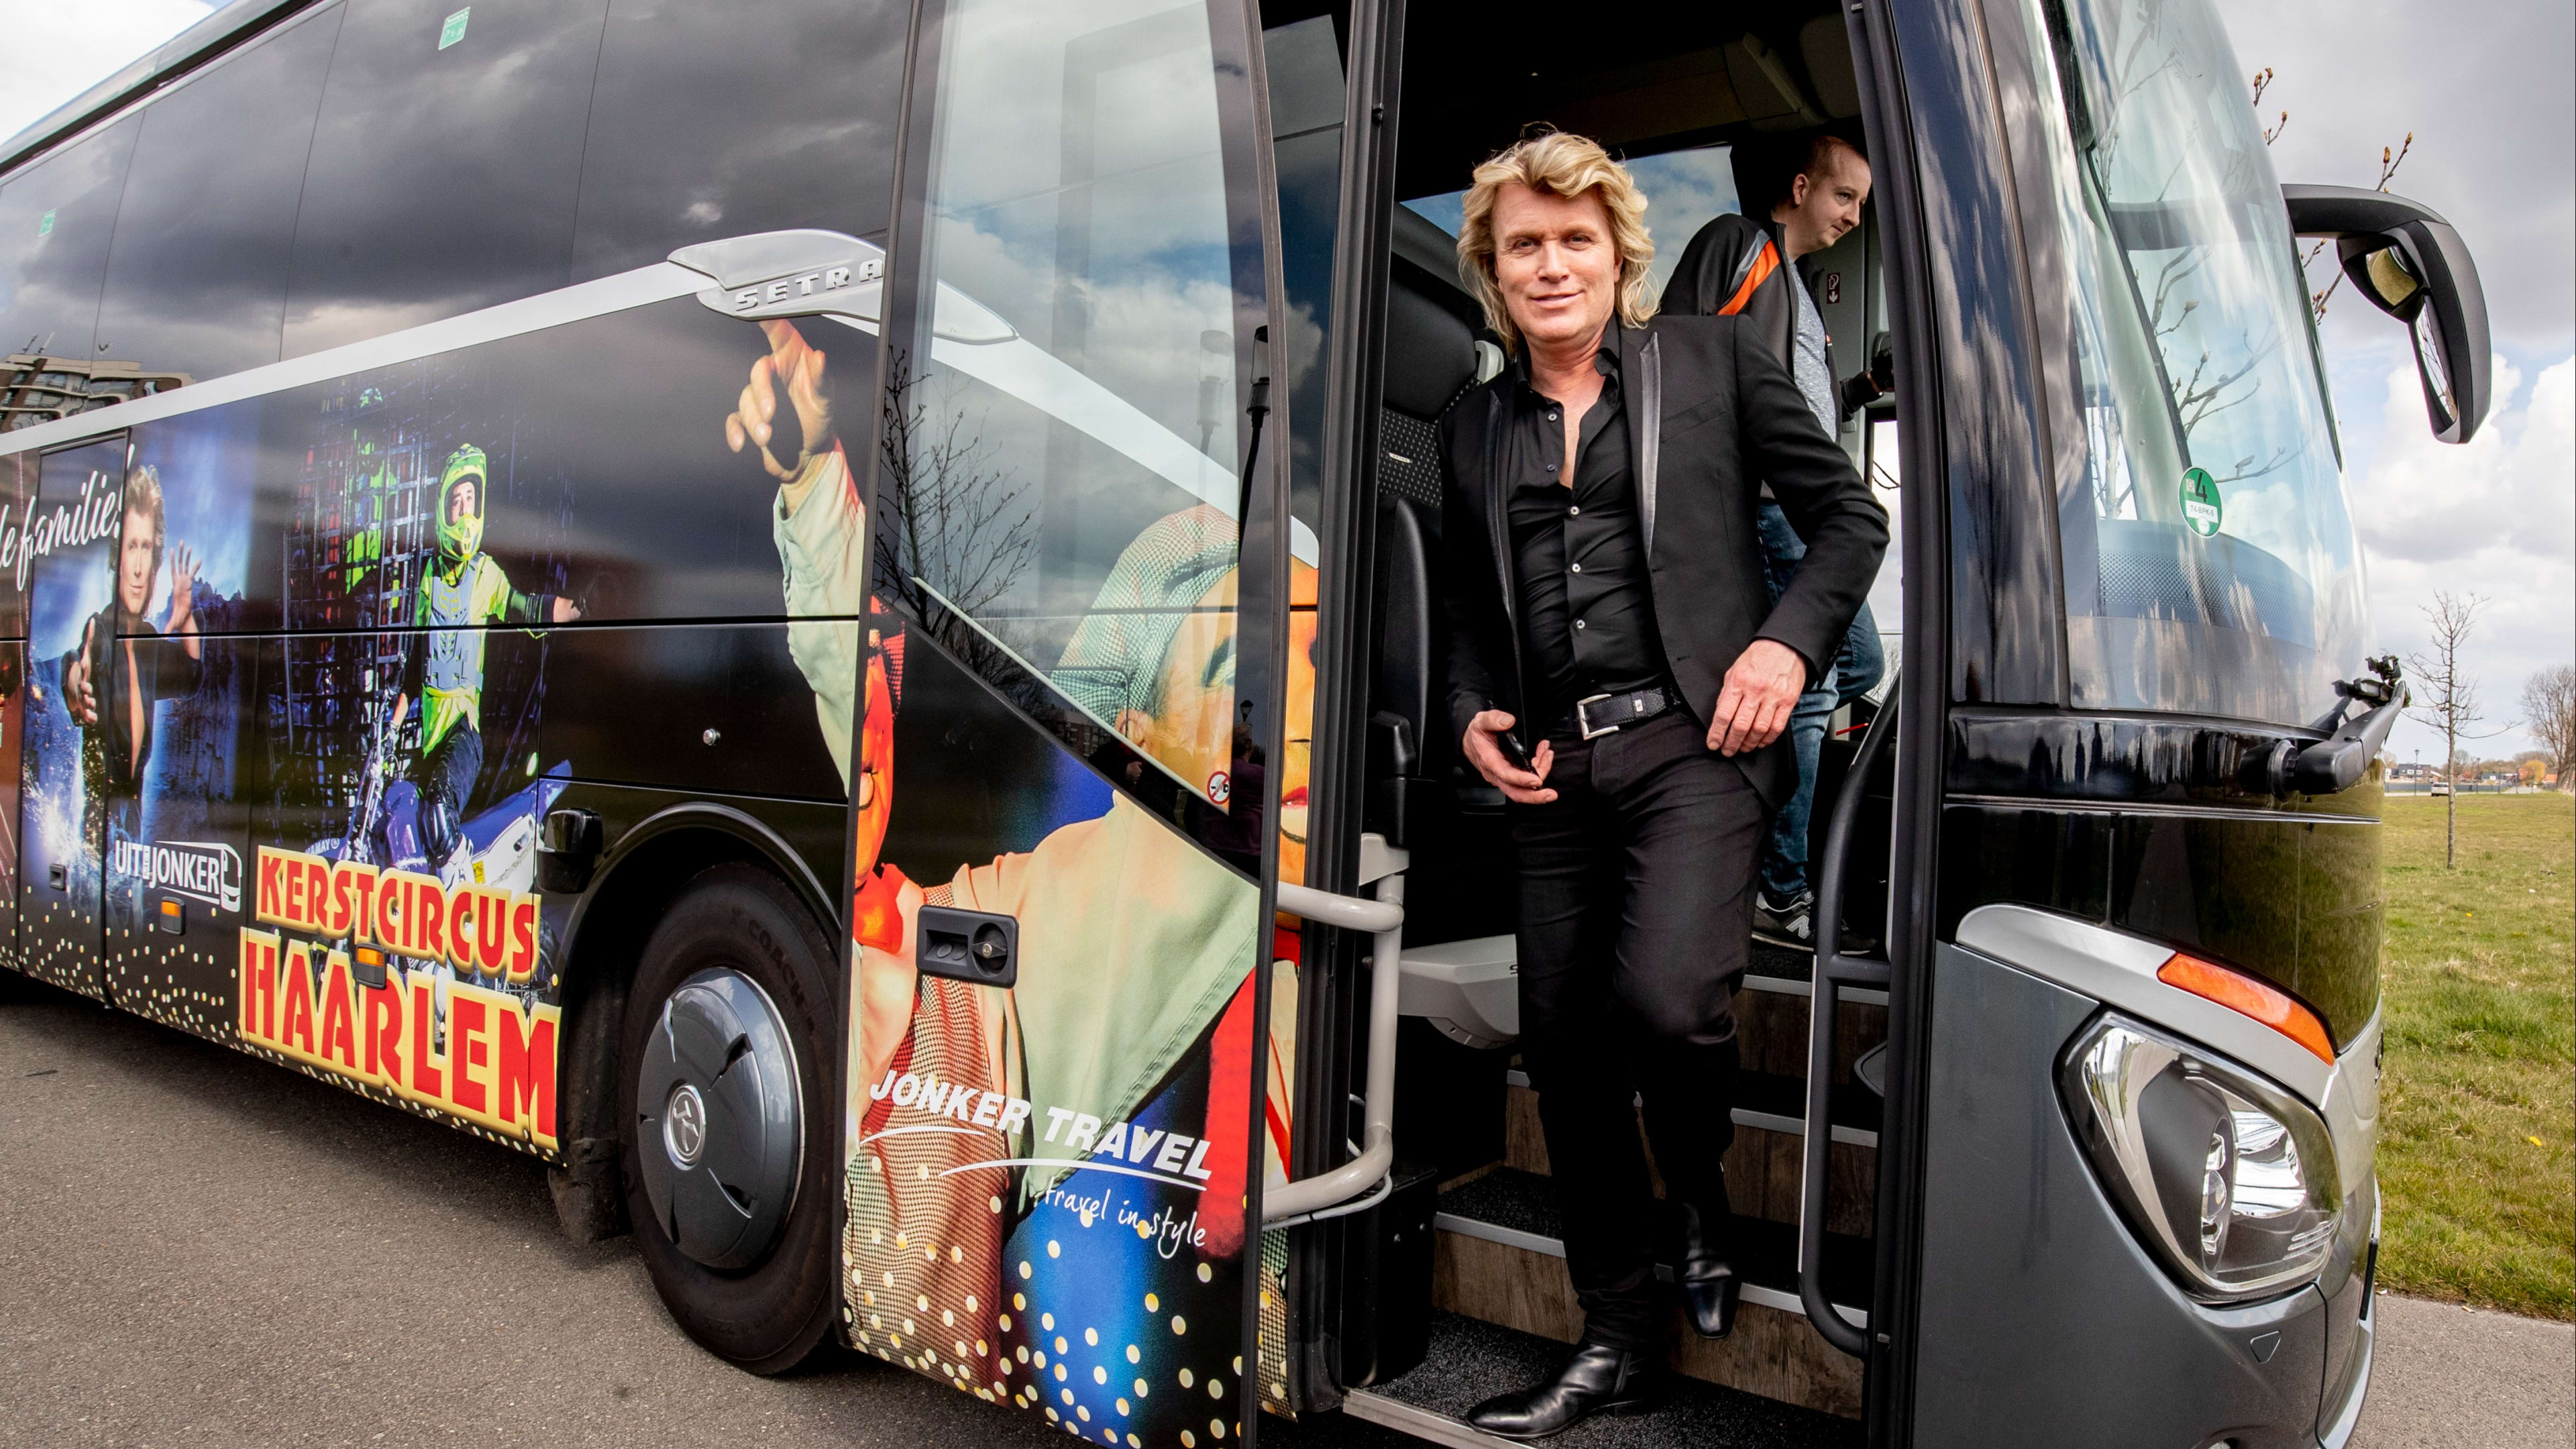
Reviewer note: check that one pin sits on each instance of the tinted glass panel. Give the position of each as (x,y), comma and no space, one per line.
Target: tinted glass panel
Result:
(196,282)
(1305,67)
(1685,190)
(720,120)
(1068,457)
(55,220)
(444,167)
(2210,564)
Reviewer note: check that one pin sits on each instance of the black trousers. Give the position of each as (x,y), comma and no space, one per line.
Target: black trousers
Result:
(1636,909)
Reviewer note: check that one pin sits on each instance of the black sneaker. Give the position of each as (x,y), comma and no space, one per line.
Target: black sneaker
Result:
(1788,923)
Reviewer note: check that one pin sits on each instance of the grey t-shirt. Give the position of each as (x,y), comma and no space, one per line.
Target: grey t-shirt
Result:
(1814,378)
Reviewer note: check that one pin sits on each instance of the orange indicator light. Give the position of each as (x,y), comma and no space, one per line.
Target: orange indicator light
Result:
(2239,992)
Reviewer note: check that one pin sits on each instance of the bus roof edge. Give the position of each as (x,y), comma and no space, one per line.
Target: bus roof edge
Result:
(224,27)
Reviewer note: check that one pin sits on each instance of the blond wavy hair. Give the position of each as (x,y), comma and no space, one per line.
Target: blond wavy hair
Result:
(1557,164)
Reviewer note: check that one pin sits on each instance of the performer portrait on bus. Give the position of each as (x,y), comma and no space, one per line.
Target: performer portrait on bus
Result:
(463,590)
(1763,272)
(1619,671)
(136,679)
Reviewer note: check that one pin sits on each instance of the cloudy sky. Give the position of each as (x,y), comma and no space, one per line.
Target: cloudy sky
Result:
(2487,91)
(2490,94)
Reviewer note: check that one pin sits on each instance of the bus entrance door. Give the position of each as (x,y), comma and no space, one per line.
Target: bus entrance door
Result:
(69,730)
(1062,786)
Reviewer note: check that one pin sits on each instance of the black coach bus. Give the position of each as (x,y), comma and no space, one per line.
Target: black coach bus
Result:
(629,573)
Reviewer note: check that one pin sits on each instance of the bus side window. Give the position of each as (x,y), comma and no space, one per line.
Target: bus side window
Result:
(55,219)
(444,167)
(1887,592)
(717,120)
(196,282)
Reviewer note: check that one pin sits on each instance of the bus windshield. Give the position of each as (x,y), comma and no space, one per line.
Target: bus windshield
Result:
(2210,565)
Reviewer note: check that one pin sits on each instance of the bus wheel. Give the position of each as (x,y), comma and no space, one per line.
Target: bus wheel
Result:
(727,1120)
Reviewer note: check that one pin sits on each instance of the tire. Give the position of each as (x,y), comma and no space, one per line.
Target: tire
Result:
(763,1300)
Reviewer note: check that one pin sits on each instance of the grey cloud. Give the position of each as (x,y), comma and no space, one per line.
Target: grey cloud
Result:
(2490,94)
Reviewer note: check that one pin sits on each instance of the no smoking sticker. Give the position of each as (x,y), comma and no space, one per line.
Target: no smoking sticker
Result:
(1220,788)
(2200,506)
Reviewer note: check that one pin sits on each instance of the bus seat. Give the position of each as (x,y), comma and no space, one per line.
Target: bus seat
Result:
(1468,990)
(1420,794)
(1430,360)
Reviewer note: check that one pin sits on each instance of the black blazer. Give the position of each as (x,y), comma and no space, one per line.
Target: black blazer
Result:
(1712,415)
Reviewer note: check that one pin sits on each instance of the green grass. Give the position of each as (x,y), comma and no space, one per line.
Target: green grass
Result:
(2477,1147)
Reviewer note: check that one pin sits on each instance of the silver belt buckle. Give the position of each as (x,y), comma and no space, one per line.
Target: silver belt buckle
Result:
(1583,718)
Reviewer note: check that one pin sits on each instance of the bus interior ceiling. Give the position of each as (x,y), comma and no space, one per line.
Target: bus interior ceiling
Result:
(1475,74)
(1719,77)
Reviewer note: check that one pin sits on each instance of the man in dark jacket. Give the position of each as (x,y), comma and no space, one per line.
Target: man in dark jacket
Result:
(136,675)
(1618,669)
(1763,273)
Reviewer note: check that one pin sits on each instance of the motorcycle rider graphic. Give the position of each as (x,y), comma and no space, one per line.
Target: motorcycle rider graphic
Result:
(463,591)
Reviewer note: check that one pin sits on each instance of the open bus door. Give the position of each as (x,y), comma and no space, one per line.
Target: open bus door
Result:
(1448,1284)
(1069,765)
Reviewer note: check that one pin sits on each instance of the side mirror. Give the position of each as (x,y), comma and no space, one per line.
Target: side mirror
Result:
(2413,266)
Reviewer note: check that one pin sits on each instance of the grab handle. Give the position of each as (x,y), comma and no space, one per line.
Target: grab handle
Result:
(1383,918)
(1834,970)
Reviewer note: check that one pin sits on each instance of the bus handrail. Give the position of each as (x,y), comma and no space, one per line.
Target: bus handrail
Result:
(1834,970)
(1383,918)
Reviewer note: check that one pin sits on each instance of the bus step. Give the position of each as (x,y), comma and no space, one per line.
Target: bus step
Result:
(1472,1360)
(1774,1102)
(1789,970)
(1518,1209)
(1497,1256)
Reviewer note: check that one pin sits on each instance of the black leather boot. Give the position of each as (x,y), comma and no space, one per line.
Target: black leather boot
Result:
(1710,1286)
(1596,1379)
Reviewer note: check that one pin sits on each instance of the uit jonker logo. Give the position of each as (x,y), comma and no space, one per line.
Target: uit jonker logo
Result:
(211,873)
(2200,506)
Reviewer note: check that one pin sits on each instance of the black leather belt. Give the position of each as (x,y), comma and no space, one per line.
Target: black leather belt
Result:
(1608,713)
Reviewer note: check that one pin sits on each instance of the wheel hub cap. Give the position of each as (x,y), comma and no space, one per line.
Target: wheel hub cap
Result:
(718,1089)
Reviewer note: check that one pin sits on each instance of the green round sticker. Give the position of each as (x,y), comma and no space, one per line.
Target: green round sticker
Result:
(2200,506)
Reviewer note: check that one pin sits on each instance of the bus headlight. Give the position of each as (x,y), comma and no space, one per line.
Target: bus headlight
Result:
(2230,1180)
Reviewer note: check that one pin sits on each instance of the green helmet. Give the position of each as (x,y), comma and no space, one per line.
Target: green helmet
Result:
(459,538)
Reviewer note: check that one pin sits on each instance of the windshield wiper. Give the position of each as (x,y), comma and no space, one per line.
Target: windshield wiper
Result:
(2336,763)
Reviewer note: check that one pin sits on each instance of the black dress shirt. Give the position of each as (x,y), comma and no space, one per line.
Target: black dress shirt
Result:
(1716,409)
(1578,552)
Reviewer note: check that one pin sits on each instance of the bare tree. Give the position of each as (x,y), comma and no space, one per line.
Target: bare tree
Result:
(2390,158)
(957,537)
(2549,707)
(2449,696)
(2262,83)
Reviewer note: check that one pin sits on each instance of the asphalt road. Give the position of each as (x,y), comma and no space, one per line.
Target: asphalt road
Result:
(197,1248)
(2447,1377)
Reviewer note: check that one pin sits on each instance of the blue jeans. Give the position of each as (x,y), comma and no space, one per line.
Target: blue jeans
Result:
(1855,671)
